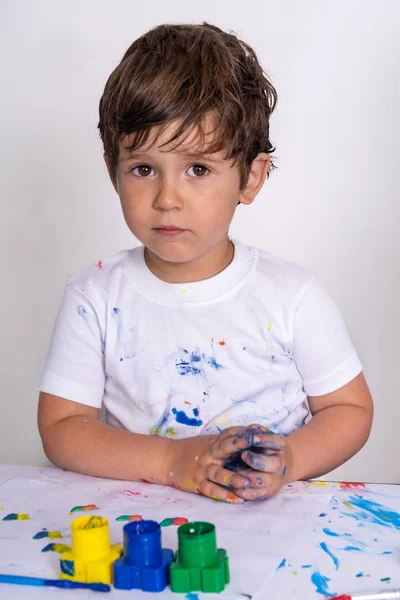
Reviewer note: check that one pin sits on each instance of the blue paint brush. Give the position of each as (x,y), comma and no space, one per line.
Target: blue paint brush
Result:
(60,583)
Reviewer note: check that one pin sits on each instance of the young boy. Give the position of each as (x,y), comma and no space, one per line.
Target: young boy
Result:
(207,354)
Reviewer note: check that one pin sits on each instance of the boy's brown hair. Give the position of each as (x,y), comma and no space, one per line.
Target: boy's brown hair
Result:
(181,73)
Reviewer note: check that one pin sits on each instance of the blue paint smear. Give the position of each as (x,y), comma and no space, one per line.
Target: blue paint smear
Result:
(387,552)
(212,361)
(352,549)
(321,583)
(191,596)
(360,574)
(81,310)
(323,515)
(282,564)
(306,566)
(333,557)
(67,567)
(373,512)
(196,412)
(181,417)
(329,532)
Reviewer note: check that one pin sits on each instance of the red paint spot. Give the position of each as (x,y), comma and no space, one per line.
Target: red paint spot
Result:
(186,402)
(349,485)
(180,521)
(135,518)
(231,497)
(145,481)
(99,264)
(222,343)
(131,493)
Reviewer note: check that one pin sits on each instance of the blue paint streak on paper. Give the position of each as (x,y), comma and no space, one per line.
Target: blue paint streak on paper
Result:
(373,512)
(321,584)
(306,566)
(191,596)
(282,564)
(329,532)
(181,417)
(329,552)
(352,549)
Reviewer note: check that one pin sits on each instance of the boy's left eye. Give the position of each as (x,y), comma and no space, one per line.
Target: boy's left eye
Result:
(198,170)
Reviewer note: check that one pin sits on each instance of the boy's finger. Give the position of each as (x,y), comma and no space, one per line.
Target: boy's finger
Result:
(262,462)
(269,440)
(217,492)
(227,478)
(222,448)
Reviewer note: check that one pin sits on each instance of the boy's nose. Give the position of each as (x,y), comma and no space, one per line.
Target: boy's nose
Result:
(167,197)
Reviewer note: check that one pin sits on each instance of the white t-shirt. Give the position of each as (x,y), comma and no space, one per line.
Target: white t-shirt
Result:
(245,346)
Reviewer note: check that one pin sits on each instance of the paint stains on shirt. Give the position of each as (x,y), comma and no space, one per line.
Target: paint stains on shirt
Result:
(16,517)
(182,417)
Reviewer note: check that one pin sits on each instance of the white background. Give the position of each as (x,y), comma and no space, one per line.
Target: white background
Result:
(333,205)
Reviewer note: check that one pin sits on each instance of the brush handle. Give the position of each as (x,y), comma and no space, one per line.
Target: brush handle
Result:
(60,583)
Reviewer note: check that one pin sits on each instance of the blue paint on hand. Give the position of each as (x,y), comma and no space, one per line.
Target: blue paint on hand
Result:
(181,417)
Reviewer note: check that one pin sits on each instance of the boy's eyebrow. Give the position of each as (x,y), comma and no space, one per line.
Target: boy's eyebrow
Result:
(191,155)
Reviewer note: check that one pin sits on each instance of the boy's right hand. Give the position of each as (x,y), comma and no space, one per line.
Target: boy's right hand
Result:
(196,464)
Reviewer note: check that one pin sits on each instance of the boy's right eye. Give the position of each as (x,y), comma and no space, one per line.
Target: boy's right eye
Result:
(142,170)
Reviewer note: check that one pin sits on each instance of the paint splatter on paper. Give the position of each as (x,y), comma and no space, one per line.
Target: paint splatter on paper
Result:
(129,518)
(330,553)
(321,584)
(16,517)
(173,521)
(350,486)
(59,548)
(47,534)
(83,508)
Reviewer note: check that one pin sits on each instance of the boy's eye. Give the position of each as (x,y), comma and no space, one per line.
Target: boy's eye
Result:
(198,170)
(142,170)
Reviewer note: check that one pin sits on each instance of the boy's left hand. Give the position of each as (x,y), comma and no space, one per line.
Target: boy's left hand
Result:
(267,462)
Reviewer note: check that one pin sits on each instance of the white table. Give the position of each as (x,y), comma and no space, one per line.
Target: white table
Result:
(313,537)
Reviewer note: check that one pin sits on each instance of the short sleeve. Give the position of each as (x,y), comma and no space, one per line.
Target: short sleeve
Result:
(322,349)
(74,366)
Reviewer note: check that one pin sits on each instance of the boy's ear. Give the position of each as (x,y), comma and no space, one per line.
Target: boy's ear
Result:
(258,172)
(110,172)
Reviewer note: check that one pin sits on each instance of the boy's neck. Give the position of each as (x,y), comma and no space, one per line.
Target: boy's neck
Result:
(199,269)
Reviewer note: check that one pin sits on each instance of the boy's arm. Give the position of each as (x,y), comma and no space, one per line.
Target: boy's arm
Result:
(340,427)
(73,438)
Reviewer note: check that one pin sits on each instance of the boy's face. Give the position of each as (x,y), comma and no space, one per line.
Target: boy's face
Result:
(179,204)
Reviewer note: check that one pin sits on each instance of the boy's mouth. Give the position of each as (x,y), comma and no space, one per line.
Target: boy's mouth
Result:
(169,230)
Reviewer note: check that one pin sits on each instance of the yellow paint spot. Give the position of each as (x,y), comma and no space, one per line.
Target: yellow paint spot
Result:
(171,431)
(223,421)
(216,498)
(225,478)
(1,507)
(317,484)
(22,517)
(348,504)
(54,534)
(186,289)
(190,485)
(269,326)
(294,572)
